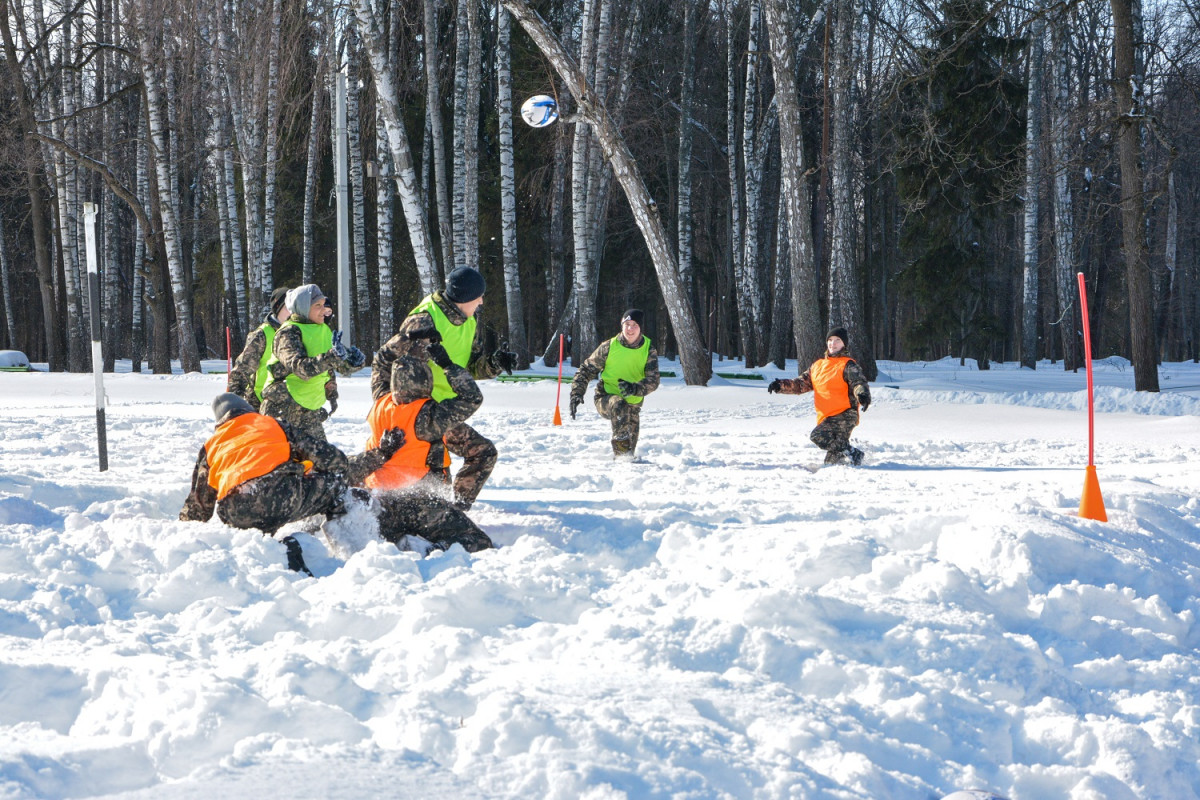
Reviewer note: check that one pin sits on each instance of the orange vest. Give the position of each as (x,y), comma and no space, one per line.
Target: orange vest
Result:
(248,446)
(409,464)
(831,393)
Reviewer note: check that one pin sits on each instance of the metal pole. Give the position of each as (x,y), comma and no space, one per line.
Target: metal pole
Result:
(342,180)
(89,228)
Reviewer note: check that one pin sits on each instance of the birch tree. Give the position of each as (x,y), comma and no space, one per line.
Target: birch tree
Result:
(1064,217)
(437,135)
(697,368)
(517,340)
(1033,184)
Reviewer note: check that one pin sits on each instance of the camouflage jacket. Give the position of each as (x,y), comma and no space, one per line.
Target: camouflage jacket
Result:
(202,500)
(593,365)
(856,382)
(245,368)
(295,360)
(436,418)
(416,331)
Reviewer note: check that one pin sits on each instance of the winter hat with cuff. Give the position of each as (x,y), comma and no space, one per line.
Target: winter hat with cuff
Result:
(464,284)
(840,333)
(635,314)
(228,405)
(300,300)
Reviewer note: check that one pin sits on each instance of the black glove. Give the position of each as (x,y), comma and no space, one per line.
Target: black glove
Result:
(338,348)
(354,357)
(332,408)
(628,389)
(576,400)
(864,400)
(505,360)
(391,441)
(438,355)
(775,387)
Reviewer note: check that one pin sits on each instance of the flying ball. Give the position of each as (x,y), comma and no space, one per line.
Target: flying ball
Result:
(539,110)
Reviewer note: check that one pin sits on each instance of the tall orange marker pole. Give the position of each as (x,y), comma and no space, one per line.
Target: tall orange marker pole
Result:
(1091,503)
(557,414)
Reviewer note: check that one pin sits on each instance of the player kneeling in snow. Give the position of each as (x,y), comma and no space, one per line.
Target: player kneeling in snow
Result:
(627,366)
(840,391)
(258,472)
(412,481)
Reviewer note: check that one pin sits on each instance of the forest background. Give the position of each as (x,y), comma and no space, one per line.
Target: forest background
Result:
(931,176)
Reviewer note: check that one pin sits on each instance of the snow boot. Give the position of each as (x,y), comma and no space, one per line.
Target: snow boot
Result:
(295,556)
(856,455)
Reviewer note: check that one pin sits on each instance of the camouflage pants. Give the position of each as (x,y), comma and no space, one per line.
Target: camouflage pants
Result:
(833,434)
(479,459)
(415,512)
(281,406)
(281,496)
(626,421)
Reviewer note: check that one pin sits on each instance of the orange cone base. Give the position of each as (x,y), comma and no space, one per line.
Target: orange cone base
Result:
(1091,504)
(557,416)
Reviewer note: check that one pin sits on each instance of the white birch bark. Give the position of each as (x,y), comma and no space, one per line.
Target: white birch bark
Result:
(385,215)
(437,138)
(470,141)
(188,357)
(458,204)
(312,167)
(406,176)
(517,340)
(237,254)
(584,276)
(1175,318)
(1033,183)
(10,318)
(737,255)
(697,367)
(272,153)
(67,197)
(358,213)
(748,286)
(140,344)
(683,210)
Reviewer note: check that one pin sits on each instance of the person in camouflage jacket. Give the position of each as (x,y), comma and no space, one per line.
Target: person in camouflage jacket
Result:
(259,472)
(448,318)
(249,373)
(840,393)
(304,361)
(627,368)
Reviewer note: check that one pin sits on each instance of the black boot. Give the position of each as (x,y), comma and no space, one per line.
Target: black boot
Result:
(295,555)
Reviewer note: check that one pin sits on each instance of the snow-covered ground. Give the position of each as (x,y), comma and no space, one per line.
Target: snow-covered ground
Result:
(716,622)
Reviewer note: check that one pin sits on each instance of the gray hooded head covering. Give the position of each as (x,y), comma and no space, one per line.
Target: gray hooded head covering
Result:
(228,405)
(300,300)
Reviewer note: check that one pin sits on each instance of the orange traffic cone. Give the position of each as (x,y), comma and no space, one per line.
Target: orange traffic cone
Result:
(557,416)
(1091,504)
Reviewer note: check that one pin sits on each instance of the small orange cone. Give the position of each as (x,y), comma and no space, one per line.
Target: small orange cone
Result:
(1091,504)
(557,416)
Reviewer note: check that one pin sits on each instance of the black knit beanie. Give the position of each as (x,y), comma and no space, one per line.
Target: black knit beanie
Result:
(275,304)
(464,285)
(840,333)
(635,314)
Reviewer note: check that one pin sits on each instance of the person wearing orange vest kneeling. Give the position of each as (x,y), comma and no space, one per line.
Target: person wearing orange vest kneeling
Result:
(258,472)
(414,478)
(840,393)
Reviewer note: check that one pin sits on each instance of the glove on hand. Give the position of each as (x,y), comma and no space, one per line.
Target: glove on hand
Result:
(438,355)
(576,400)
(775,387)
(354,357)
(332,408)
(338,348)
(391,441)
(505,360)
(864,400)
(628,389)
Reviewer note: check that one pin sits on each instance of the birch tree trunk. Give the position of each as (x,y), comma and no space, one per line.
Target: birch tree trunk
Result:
(433,113)
(10,318)
(683,210)
(237,255)
(406,176)
(749,297)
(517,340)
(1033,185)
(697,368)
(312,167)
(584,277)
(1064,218)
(470,142)
(810,343)
(68,221)
(845,292)
(168,202)
(272,150)
(385,215)
(141,253)
(1133,206)
(358,215)
(1174,327)
(736,253)
(557,263)
(781,292)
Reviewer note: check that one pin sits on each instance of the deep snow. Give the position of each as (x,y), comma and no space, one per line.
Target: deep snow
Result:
(713,622)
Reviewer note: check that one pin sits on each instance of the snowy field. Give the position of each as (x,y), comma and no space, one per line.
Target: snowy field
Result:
(716,622)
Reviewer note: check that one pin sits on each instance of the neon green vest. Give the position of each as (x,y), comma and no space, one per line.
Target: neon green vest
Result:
(457,339)
(625,364)
(318,340)
(260,377)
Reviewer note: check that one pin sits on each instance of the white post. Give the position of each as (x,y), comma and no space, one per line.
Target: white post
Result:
(342,181)
(89,228)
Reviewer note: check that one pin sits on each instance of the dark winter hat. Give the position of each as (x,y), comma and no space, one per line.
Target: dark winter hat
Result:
(412,379)
(635,314)
(228,405)
(840,333)
(275,304)
(464,285)
(300,300)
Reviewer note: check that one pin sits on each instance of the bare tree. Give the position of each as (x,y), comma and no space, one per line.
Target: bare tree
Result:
(1033,188)
(517,340)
